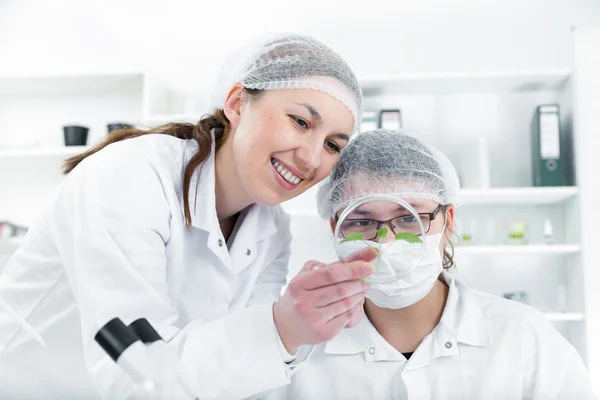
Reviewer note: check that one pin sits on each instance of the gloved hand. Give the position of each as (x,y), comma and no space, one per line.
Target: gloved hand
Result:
(320,302)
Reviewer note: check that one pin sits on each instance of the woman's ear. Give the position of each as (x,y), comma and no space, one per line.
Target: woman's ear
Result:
(332,225)
(233,104)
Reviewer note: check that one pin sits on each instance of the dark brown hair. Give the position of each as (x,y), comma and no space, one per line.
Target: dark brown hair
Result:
(449,257)
(201,132)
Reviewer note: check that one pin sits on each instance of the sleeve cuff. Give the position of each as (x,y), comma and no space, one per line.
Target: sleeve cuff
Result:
(285,356)
(292,361)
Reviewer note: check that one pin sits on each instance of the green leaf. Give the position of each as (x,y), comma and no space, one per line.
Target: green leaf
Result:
(382,232)
(408,237)
(352,237)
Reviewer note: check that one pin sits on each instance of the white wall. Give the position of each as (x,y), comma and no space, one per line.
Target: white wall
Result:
(185,40)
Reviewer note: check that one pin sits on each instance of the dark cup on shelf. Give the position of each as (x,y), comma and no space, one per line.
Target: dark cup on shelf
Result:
(75,135)
(118,125)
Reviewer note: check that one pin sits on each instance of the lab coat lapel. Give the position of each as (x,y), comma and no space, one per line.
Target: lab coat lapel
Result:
(257,224)
(202,191)
(462,322)
(203,204)
(350,340)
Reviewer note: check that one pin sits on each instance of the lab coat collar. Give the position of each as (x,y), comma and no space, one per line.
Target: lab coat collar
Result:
(258,222)
(202,190)
(464,316)
(462,322)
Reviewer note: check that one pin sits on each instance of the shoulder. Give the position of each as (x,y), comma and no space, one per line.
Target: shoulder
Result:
(153,157)
(142,170)
(152,149)
(523,323)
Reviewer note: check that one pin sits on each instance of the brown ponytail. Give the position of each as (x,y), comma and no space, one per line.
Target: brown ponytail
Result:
(201,132)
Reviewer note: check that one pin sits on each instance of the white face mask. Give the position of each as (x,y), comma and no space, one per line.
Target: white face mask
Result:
(413,282)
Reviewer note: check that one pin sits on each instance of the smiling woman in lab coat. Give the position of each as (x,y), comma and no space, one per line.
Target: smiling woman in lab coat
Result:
(181,225)
(427,335)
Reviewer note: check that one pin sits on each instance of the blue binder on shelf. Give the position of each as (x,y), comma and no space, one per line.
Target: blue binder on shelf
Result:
(547,157)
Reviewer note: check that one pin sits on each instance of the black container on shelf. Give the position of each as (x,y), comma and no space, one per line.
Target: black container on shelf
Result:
(76,135)
(118,125)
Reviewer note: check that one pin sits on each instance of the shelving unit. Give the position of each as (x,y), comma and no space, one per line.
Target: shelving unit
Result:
(99,82)
(518,196)
(477,82)
(164,118)
(522,250)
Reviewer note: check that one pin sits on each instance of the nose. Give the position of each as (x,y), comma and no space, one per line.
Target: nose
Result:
(389,236)
(309,153)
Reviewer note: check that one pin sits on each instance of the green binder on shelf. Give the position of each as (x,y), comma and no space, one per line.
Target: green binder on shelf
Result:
(548,160)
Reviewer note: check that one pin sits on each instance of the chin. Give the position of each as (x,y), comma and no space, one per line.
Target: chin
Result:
(268,199)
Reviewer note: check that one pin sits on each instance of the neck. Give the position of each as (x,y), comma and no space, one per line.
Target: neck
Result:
(230,197)
(405,328)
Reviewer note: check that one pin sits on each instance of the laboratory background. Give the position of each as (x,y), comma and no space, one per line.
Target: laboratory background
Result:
(509,90)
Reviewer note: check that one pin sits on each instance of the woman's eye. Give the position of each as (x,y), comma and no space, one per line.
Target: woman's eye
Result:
(300,122)
(333,146)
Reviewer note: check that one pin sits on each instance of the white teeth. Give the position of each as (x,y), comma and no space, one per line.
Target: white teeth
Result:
(285,174)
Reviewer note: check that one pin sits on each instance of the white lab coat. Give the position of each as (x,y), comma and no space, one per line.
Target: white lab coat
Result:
(113,243)
(484,347)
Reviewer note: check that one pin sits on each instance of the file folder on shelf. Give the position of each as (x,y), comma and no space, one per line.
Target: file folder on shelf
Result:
(548,162)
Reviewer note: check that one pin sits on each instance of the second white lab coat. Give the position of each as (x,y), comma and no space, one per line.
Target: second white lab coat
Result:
(113,243)
(484,347)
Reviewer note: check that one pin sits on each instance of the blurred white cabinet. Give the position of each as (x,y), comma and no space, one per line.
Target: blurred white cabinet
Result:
(33,110)
(455,111)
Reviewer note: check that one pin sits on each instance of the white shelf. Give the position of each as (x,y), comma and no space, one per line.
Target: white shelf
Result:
(65,151)
(501,81)
(63,84)
(496,196)
(163,118)
(564,317)
(518,196)
(531,249)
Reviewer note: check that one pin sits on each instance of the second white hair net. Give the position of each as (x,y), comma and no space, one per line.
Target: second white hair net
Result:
(388,162)
(290,61)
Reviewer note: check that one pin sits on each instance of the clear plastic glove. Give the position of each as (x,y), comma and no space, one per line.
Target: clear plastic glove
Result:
(322,300)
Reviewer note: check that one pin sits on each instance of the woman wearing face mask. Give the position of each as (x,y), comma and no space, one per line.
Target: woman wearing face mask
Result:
(425,335)
(180,225)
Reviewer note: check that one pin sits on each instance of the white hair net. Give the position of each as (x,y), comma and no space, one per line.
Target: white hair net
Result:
(290,61)
(388,162)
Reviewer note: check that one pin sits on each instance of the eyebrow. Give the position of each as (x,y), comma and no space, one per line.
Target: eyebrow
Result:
(342,136)
(315,114)
(313,111)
